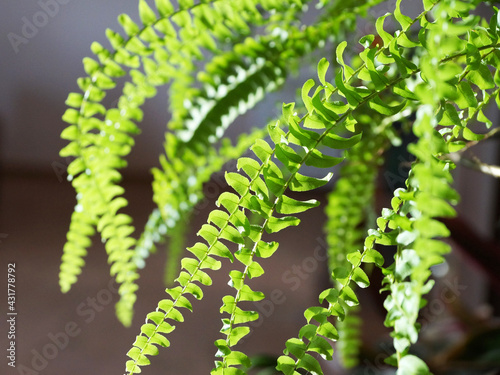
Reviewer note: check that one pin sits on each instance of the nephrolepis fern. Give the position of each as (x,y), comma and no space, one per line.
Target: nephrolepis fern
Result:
(260,191)
(101,138)
(263,196)
(169,40)
(441,67)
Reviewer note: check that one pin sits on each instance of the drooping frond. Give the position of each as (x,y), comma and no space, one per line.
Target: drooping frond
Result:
(75,248)
(348,211)
(411,224)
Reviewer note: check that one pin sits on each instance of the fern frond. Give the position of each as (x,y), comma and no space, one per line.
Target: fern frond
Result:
(313,336)
(185,89)
(177,245)
(348,210)
(235,81)
(349,331)
(75,249)
(415,209)
(352,198)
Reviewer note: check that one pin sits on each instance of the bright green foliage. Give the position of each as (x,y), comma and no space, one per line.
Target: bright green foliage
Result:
(349,212)
(435,74)
(260,190)
(101,138)
(164,49)
(178,188)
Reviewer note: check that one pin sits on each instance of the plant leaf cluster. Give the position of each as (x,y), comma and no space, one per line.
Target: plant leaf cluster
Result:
(435,73)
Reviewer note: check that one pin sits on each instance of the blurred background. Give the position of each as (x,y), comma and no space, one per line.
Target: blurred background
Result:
(41,49)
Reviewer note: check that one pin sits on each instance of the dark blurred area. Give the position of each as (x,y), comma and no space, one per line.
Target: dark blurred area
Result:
(41,49)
